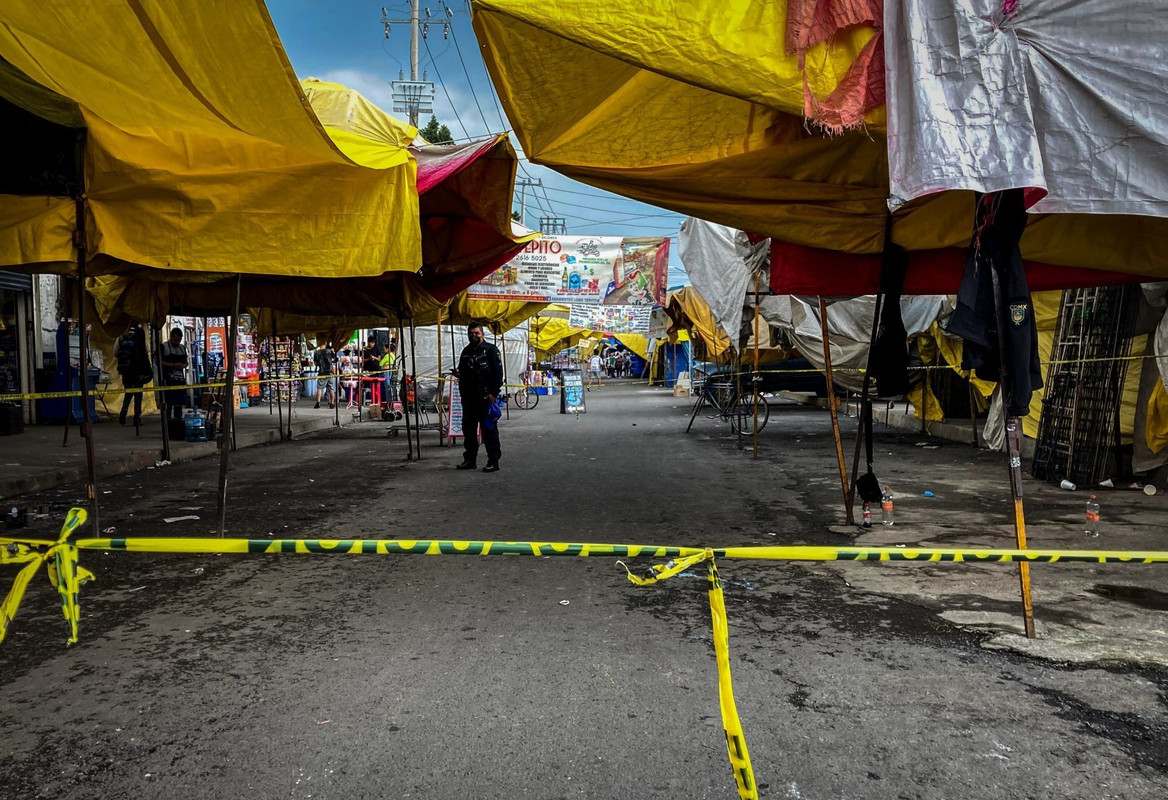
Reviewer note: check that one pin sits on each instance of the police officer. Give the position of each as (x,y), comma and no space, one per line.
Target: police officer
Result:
(480,380)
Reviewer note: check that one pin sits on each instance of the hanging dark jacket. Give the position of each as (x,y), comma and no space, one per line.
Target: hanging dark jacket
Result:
(998,226)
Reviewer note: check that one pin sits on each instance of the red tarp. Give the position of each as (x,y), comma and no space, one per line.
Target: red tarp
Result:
(810,271)
(464,199)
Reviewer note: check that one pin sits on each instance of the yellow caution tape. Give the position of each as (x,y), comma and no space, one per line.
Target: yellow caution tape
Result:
(67,576)
(64,572)
(239,382)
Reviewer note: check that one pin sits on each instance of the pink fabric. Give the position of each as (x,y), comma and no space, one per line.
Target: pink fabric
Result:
(438,162)
(810,22)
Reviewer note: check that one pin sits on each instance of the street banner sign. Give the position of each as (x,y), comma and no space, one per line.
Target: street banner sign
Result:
(583,270)
(611,319)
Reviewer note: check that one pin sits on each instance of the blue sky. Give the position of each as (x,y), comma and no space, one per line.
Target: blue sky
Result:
(344,41)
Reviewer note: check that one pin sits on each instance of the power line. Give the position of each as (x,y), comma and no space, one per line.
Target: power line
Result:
(445,91)
(465,71)
(470,83)
(628,220)
(612,211)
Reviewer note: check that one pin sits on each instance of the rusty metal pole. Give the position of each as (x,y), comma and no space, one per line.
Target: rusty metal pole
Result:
(831,404)
(755,378)
(1013,449)
(228,434)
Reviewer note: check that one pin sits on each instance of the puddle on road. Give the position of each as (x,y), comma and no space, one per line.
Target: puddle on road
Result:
(1145,598)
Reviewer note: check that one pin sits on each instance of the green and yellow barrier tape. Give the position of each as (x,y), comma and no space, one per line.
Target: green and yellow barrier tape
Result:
(66,575)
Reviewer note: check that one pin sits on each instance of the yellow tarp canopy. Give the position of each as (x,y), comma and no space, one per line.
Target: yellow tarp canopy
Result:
(697,108)
(202,153)
(688,310)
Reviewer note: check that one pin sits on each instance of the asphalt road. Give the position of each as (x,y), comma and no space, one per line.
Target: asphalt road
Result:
(462,676)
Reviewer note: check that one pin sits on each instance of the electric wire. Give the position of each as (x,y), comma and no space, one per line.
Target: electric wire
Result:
(445,91)
(465,71)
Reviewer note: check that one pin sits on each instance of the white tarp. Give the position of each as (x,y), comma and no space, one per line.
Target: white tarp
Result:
(453,340)
(1066,97)
(721,263)
(849,326)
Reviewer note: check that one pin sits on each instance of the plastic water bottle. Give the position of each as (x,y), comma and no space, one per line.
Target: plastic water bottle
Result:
(867,516)
(886,511)
(1092,526)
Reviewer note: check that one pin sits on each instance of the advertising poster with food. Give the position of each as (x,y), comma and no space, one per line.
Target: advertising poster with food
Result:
(583,270)
(611,319)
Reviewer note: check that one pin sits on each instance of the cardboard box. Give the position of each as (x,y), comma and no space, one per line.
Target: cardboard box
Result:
(680,391)
(374,412)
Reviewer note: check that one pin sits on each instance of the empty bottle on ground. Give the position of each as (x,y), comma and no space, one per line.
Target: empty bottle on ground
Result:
(1092,525)
(867,516)
(886,510)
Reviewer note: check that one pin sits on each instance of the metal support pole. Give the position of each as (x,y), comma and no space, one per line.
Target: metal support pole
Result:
(441,386)
(160,396)
(228,435)
(417,404)
(754,379)
(274,386)
(401,337)
(1013,448)
(864,417)
(360,375)
(507,407)
(292,371)
(831,404)
(86,426)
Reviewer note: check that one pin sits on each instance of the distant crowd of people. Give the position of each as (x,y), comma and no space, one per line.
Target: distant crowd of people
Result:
(348,365)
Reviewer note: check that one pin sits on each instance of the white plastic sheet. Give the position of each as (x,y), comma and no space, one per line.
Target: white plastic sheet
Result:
(721,263)
(1063,97)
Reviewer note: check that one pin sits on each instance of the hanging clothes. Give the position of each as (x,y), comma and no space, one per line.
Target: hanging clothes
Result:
(998,226)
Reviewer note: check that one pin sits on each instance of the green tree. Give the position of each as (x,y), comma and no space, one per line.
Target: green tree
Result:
(436,133)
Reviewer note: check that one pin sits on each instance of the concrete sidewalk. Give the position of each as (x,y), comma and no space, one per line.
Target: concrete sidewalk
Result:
(37,459)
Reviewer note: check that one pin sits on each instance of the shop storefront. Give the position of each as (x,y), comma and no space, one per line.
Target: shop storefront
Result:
(16,367)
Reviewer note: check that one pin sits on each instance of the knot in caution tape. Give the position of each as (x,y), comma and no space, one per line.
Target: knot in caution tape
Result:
(65,573)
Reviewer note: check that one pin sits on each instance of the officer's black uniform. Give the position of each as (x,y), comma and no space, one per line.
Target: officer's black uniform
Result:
(480,373)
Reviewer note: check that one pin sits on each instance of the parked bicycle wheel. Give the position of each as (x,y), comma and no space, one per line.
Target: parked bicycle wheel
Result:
(721,396)
(526,398)
(742,416)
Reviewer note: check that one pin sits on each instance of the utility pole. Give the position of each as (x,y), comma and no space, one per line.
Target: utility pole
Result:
(553,226)
(523,183)
(414,53)
(415,96)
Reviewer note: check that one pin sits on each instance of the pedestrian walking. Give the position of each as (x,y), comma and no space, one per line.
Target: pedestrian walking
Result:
(594,364)
(480,379)
(135,369)
(325,359)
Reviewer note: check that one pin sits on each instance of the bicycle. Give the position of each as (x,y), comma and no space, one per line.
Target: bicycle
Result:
(731,404)
(526,398)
